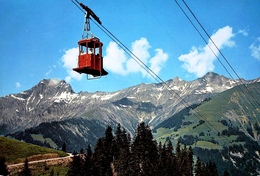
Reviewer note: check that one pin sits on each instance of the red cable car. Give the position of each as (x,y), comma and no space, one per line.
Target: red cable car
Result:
(90,60)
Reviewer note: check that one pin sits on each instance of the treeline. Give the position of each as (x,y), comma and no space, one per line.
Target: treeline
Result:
(116,154)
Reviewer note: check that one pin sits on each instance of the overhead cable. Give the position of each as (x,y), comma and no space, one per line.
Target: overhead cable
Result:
(240,80)
(157,78)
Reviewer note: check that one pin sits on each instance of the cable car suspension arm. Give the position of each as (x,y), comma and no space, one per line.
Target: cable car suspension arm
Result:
(88,13)
(87,10)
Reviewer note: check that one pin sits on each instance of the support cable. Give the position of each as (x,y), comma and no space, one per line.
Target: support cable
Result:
(160,80)
(218,57)
(157,78)
(219,52)
(250,102)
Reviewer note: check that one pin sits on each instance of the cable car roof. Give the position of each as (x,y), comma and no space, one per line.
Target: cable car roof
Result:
(90,42)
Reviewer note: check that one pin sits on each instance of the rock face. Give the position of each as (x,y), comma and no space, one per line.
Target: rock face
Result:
(54,100)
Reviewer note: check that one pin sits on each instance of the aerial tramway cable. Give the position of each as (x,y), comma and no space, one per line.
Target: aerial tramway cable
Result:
(217,56)
(219,59)
(240,80)
(155,76)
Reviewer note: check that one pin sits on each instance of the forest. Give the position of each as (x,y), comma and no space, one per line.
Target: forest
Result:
(116,154)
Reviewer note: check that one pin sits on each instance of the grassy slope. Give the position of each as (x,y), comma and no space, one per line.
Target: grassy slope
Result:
(15,151)
(213,112)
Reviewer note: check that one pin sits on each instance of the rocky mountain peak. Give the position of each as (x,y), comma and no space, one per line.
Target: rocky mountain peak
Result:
(214,79)
(50,86)
(54,100)
(211,77)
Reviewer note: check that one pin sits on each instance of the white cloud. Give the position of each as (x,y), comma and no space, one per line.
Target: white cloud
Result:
(115,59)
(199,61)
(255,49)
(157,62)
(69,60)
(117,62)
(50,70)
(18,84)
(243,32)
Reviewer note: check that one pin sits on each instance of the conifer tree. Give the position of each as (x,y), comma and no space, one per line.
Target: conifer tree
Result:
(118,141)
(52,173)
(178,158)
(3,166)
(189,161)
(88,163)
(75,165)
(183,161)
(99,158)
(178,150)
(171,160)
(144,151)
(115,155)
(109,144)
(226,173)
(162,161)
(199,168)
(122,153)
(64,147)
(26,170)
(103,156)
(212,169)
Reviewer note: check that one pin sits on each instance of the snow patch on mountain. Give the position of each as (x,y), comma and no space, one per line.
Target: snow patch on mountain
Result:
(52,100)
(54,82)
(238,154)
(18,98)
(130,97)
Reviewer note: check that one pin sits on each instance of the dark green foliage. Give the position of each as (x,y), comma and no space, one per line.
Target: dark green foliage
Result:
(76,165)
(231,131)
(64,147)
(184,160)
(52,173)
(3,167)
(103,155)
(224,122)
(57,133)
(188,139)
(88,163)
(199,168)
(177,119)
(226,173)
(144,151)
(208,169)
(122,151)
(26,170)
(114,154)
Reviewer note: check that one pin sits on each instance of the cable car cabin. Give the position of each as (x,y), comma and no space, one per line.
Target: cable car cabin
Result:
(90,60)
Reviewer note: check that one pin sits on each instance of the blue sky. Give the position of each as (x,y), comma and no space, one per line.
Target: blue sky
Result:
(38,40)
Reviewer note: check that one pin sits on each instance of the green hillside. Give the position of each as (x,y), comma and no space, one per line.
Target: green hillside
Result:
(15,151)
(227,124)
(230,109)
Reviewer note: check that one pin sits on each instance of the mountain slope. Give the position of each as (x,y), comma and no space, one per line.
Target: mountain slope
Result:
(227,124)
(15,151)
(54,100)
(208,113)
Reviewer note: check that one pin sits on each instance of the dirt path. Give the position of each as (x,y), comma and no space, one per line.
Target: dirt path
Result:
(15,168)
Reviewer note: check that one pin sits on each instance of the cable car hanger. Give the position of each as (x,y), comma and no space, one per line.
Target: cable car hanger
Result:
(90,60)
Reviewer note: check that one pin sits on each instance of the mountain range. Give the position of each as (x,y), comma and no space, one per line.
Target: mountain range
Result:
(213,114)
